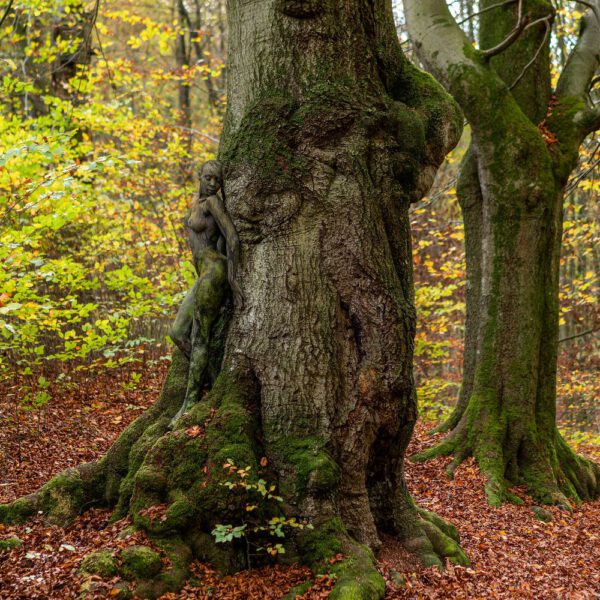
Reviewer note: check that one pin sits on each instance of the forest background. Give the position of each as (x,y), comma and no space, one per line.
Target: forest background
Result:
(102,129)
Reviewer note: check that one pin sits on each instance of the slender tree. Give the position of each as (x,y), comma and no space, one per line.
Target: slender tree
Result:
(525,142)
(330,134)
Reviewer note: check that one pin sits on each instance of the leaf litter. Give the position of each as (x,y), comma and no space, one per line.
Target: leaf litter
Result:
(513,554)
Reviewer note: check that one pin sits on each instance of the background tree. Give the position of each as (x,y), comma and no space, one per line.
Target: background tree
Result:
(525,143)
(330,134)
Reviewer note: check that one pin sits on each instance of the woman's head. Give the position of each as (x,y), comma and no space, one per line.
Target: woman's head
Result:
(211,177)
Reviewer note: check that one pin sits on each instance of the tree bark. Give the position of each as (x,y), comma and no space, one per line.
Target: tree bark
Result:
(330,134)
(524,146)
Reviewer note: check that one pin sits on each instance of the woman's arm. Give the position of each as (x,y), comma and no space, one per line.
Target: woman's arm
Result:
(217,210)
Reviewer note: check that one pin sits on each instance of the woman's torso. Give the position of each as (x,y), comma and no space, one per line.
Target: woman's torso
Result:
(203,230)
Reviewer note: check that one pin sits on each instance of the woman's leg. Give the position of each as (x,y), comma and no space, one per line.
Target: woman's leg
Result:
(181,330)
(210,290)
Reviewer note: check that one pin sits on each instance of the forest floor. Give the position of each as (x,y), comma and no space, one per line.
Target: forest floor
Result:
(513,554)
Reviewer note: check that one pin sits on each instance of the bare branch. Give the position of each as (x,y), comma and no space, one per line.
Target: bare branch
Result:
(447,53)
(574,182)
(583,60)
(546,21)
(577,335)
(196,132)
(439,42)
(512,37)
(6,13)
(484,10)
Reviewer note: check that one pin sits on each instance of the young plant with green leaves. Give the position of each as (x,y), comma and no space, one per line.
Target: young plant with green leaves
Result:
(263,524)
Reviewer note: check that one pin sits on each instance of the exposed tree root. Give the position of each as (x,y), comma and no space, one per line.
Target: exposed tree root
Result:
(551,471)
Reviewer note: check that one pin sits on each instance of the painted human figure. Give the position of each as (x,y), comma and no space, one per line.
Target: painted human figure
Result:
(211,235)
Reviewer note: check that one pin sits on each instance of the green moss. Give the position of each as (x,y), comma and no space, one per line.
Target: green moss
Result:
(443,525)
(150,479)
(101,562)
(298,590)
(261,141)
(357,576)
(180,513)
(323,542)
(421,92)
(140,562)
(315,470)
(445,546)
(179,555)
(10,544)
(18,511)
(127,454)
(62,498)
(369,586)
(187,463)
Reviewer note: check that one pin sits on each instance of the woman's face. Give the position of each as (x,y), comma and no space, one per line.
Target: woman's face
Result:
(210,183)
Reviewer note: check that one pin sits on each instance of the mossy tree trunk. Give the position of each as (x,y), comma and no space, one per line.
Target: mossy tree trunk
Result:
(525,144)
(330,135)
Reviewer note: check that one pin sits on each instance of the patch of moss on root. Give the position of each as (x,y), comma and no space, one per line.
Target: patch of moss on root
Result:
(317,545)
(357,578)
(17,512)
(101,562)
(127,454)
(356,575)
(315,470)
(140,562)
(435,540)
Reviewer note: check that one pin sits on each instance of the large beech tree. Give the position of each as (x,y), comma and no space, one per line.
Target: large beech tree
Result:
(525,142)
(330,134)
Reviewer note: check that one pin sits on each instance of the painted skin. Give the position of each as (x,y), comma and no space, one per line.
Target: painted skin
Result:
(210,230)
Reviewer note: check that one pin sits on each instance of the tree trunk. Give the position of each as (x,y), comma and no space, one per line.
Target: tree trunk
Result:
(330,134)
(511,191)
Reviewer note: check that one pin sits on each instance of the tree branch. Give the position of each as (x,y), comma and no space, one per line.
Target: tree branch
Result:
(448,54)
(583,60)
(512,37)
(577,335)
(484,10)
(546,21)
(10,3)
(439,42)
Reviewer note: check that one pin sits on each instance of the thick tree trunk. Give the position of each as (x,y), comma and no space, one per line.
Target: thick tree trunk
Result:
(330,134)
(506,411)
(468,190)
(511,190)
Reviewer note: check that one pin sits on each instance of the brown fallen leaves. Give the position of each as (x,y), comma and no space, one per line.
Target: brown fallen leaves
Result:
(77,425)
(513,554)
(266,583)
